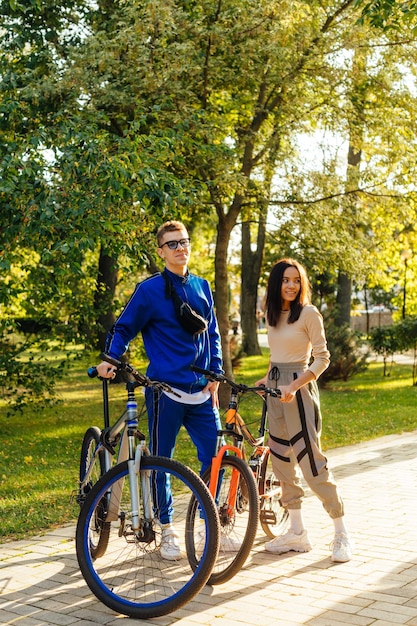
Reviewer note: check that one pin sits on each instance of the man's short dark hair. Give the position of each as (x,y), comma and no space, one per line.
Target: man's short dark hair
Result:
(168,227)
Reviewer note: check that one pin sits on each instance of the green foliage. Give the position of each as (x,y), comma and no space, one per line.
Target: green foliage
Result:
(399,337)
(348,356)
(388,14)
(407,332)
(29,367)
(117,116)
(385,341)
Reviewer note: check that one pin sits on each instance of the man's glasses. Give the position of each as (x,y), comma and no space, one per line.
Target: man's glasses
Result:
(173,245)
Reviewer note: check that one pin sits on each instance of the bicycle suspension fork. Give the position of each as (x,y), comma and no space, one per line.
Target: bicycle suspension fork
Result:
(143,530)
(221,451)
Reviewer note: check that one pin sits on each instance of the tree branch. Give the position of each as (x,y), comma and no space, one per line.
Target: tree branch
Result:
(349,192)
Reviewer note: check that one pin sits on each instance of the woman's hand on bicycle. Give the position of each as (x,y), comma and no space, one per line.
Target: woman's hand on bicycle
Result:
(287,393)
(106,370)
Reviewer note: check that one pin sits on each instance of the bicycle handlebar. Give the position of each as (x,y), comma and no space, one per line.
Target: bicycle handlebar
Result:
(141,379)
(238,387)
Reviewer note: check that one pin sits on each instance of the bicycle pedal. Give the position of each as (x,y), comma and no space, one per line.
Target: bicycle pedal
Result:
(267,516)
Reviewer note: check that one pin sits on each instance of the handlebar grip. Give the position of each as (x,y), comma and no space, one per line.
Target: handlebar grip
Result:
(111,360)
(92,372)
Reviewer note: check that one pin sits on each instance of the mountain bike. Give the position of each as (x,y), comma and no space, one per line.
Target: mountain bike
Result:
(245,489)
(119,529)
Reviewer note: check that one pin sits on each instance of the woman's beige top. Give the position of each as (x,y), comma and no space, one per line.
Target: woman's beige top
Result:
(298,342)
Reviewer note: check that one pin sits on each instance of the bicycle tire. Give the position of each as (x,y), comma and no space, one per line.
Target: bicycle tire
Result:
(99,530)
(132,578)
(273,516)
(90,442)
(241,527)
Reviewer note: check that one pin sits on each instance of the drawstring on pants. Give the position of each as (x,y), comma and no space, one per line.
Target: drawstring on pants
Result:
(274,373)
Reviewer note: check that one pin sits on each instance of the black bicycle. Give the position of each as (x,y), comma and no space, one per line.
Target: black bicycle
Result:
(118,535)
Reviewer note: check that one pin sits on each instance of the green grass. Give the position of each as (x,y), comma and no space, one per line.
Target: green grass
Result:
(40,449)
(369,406)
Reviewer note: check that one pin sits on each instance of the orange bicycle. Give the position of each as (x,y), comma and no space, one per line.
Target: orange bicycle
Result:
(245,489)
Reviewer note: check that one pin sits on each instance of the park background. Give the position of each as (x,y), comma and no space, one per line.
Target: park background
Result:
(270,128)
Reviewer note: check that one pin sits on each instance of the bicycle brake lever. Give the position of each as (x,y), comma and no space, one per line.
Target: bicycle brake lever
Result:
(269,391)
(275,393)
(162,386)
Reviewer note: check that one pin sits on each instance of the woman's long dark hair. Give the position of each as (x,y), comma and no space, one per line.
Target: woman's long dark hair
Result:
(273,304)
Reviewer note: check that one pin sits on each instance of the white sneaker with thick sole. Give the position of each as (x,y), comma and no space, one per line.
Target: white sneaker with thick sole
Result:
(288,542)
(170,547)
(342,548)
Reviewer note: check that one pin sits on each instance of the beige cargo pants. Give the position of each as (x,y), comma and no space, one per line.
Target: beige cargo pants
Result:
(294,439)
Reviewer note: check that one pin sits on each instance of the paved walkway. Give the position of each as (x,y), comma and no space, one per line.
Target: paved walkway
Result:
(40,583)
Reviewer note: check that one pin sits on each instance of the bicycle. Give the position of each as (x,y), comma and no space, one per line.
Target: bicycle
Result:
(118,534)
(245,489)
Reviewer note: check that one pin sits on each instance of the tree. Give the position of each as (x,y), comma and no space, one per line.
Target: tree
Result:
(118,115)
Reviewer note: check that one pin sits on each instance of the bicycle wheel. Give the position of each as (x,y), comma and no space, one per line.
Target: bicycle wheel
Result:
(99,530)
(238,526)
(90,442)
(273,516)
(132,578)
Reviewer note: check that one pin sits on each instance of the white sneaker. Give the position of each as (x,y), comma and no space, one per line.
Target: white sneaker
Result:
(289,541)
(342,548)
(170,548)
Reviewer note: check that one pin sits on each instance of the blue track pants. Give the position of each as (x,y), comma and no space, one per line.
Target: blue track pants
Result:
(165,418)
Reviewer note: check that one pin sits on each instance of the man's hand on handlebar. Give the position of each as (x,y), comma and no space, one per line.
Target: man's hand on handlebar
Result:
(106,370)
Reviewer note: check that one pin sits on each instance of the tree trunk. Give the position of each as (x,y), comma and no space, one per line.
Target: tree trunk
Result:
(251,269)
(356,131)
(222,296)
(224,228)
(104,296)
(343,300)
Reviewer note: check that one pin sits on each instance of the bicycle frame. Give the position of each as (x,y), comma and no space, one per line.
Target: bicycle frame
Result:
(216,468)
(111,434)
(236,428)
(123,433)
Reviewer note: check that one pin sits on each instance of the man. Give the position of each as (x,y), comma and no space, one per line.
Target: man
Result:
(171,351)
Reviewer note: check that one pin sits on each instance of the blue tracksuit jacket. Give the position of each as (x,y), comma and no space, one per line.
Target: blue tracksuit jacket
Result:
(170,349)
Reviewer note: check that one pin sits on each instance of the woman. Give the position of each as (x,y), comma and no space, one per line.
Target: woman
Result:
(298,356)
